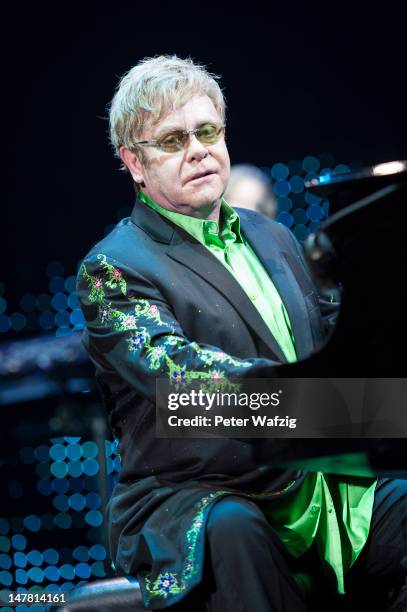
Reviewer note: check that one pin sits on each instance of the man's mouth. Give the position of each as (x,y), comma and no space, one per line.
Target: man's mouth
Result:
(200,175)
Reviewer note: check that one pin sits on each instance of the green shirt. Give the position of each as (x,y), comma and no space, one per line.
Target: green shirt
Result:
(331,511)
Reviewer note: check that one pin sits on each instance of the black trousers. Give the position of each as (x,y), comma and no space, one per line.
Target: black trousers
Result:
(247,568)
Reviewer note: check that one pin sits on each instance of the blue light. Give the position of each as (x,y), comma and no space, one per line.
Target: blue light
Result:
(281,188)
(301,232)
(94,518)
(36,574)
(5,561)
(81,553)
(46,320)
(63,520)
(44,486)
(72,439)
(60,485)
(70,284)
(310,198)
(3,305)
(59,301)
(77,502)
(93,501)
(57,284)
(18,321)
(97,552)
(279,171)
(295,167)
(5,323)
(75,468)
(42,453)
(342,169)
(32,523)
(52,573)
(21,576)
(52,588)
(82,570)
(284,204)
(285,218)
(67,571)
(35,557)
(51,556)
(73,301)
(74,451)
(90,467)
(90,449)
(77,318)
(62,318)
(59,469)
(4,526)
(4,544)
(296,184)
(19,542)
(315,213)
(299,216)
(57,452)
(98,569)
(6,578)
(310,164)
(20,559)
(61,503)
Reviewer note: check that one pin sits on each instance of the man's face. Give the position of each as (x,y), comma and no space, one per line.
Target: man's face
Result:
(168,178)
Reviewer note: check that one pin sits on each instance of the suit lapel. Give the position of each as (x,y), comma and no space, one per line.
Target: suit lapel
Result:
(276,261)
(197,258)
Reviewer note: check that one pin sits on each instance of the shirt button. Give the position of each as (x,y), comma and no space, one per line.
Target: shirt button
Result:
(252,297)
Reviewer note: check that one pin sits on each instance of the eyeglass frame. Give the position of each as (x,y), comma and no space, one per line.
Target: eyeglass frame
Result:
(153,143)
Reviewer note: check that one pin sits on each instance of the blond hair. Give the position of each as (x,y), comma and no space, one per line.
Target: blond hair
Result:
(153,88)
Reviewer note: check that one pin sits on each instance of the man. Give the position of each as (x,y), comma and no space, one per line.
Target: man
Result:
(189,289)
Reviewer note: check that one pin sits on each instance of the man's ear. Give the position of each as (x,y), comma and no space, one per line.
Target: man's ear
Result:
(132,163)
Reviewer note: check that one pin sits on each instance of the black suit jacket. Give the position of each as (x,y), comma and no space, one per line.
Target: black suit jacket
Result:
(158,303)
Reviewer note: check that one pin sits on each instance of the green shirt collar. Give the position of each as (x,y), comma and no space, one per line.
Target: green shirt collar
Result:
(206,231)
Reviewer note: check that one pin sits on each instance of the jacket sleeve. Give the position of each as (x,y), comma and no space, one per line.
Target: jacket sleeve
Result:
(131,330)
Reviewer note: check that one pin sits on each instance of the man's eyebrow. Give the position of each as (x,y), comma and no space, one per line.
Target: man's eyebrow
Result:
(177,128)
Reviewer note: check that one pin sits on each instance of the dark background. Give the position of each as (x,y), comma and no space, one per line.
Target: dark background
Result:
(300,79)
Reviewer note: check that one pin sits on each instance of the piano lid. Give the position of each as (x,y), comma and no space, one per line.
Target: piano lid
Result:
(347,188)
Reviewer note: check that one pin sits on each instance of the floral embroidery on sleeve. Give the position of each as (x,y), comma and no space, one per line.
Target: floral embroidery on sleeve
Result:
(139,340)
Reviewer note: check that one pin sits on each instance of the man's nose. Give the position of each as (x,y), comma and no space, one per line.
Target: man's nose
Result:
(195,149)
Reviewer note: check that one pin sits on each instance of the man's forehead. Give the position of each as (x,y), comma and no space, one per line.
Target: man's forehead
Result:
(196,110)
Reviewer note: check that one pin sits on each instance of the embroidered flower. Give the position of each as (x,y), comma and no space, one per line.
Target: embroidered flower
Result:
(216,375)
(129,321)
(116,273)
(153,310)
(98,283)
(136,341)
(165,582)
(104,313)
(179,377)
